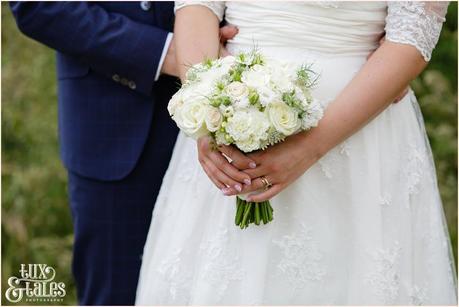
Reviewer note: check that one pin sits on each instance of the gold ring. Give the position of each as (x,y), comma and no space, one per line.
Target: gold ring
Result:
(230,161)
(266,182)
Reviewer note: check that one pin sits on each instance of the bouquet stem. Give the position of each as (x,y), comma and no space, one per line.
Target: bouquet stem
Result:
(252,213)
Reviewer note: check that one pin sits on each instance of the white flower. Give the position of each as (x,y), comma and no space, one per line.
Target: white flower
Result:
(198,90)
(237,90)
(314,112)
(191,117)
(282,75)
(175,103)
(242,103)
(227,111)
(213,119)
(299,94)
(248,145)
(257,76)
(220,138)
(248,125)
(284,118)
(238,126)
(267,95)
(247,58)
(227,62)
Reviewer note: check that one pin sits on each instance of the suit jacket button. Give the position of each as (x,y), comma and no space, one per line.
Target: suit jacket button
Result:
(132,85)
(145,5)
(124,81)
(116,78)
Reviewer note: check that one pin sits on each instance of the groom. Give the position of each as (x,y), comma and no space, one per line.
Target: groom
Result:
(115,68)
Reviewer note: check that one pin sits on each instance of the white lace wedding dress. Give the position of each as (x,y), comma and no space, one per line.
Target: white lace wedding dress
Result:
(365,225)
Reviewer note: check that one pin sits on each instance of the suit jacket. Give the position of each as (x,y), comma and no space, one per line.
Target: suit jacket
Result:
(107,57)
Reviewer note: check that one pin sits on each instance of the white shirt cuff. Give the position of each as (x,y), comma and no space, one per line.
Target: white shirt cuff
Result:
(163,55)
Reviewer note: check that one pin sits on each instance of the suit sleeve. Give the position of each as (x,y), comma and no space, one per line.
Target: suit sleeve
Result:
(110,43)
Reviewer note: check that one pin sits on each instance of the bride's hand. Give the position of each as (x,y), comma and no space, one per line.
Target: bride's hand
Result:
(281,165)
(225,175)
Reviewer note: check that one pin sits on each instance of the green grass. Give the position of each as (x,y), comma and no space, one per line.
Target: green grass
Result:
(36,223)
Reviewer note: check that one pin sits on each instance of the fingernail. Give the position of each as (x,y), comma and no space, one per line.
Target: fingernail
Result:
(225,191)
(247,181)
(238,187)
(252,165)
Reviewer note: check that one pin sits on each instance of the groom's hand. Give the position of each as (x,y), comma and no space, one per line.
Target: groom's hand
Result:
(224,174)
(227,32)
(170,67)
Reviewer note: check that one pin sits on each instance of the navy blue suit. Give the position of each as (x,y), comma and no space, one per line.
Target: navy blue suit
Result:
(116,137)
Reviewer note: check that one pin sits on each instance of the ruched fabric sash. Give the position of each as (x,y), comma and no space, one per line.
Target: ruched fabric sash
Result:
(351,28)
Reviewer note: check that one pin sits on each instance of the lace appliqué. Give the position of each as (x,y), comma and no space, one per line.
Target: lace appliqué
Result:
(385,278)
(176,277)
(385,199)
(186,171)
(222,263)
(327,164)
(301,261)
(344,148)
(414,168)
(418,295)
(411,22)
(332,160)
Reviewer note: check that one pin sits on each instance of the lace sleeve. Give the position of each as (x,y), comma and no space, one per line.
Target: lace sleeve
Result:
(217,7)
(417,23)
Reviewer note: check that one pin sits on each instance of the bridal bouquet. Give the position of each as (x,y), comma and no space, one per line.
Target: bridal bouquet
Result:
(248,101)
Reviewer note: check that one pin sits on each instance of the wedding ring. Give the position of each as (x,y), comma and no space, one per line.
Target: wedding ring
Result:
(227,158)
(266,182)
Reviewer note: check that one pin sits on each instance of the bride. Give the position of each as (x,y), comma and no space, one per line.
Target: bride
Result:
(358,218)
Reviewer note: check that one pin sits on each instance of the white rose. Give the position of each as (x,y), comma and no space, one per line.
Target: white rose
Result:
(198,90)
(191,117)
(314,112)
(237,90)
(175,103)
(284,118)
(213,119)
(257,76)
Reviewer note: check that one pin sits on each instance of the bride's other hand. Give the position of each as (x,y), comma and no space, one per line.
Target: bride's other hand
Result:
(225,175)
(280,164)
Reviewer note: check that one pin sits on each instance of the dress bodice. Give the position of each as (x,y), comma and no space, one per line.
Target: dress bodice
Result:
(354,28)
(341,28)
